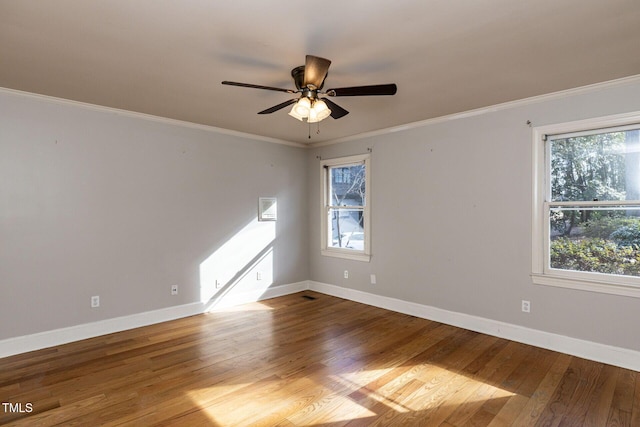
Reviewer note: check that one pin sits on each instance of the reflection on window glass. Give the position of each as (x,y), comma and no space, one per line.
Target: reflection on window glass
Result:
(594,214)
(347,185)
(603,166)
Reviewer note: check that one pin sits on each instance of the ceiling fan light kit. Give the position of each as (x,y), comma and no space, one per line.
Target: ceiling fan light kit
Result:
(309,80)
(312,110)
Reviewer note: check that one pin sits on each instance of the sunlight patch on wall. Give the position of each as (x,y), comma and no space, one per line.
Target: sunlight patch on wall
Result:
(241,269)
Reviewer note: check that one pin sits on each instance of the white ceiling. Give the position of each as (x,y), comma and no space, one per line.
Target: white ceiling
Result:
(167,58)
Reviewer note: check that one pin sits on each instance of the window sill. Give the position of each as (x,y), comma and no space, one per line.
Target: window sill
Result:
(586,285)
(357,256)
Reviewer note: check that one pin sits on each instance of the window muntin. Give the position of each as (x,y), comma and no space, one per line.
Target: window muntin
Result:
(587,193)
(345,207)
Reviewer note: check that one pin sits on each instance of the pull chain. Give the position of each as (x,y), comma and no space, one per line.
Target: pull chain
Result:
(317,130)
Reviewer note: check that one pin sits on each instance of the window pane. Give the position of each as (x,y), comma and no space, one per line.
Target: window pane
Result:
(347,185)
(596,240)
(347,229)
(602,166)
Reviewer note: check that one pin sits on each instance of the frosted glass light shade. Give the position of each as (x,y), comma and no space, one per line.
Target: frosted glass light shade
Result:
(301,109)
(319,112)
(311,111)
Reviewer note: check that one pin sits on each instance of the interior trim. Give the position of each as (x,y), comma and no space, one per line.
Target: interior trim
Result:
(422,123)
(41,340)
(617,356)
(484,110)
(149,117)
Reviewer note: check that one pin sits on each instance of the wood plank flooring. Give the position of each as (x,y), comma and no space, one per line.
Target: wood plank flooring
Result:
(294,361)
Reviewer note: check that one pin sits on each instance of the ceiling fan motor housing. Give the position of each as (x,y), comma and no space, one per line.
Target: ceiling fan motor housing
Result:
(298,79)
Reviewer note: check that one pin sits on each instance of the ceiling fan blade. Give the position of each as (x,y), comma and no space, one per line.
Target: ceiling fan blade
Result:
(336,110)
(315,71)
(257,86)
(278,107)
(388,89)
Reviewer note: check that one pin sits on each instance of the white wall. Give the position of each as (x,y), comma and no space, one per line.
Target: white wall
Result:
(93,202)
(451,219)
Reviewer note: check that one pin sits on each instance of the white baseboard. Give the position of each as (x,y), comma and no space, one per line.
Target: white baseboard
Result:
(259,295)
(41,340)
(617,356)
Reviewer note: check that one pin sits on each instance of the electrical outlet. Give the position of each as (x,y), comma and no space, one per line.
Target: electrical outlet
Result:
(373,279)
(174,289)
(218,284)
(258,275)
(95,301)
(526,306)
(346,274)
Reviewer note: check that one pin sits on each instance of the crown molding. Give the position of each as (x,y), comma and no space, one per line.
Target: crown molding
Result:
(484,110)
(386,131)
(150,117)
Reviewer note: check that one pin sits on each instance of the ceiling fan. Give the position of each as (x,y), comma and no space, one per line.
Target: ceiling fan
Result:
(309,80)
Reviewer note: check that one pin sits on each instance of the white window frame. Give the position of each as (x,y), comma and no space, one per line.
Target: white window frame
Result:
(351,254)
(542,274)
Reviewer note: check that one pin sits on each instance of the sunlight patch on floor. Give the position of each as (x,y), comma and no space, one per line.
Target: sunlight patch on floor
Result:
(331,396)
(253,306)
(435,384)
(333,409)
(226,406)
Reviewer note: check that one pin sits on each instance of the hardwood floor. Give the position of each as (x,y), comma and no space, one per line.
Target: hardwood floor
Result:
(294,361)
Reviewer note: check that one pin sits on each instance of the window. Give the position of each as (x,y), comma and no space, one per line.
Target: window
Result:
(586,219)
(345,207)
